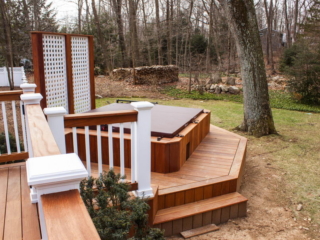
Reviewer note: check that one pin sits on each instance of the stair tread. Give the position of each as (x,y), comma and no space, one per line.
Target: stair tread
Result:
(173,213)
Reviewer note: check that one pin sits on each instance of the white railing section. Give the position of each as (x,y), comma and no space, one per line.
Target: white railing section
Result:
(17,129)
(140,144)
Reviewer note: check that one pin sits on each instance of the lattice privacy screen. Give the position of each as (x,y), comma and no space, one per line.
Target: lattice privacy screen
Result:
(55,70)
(63,70)
(80,74)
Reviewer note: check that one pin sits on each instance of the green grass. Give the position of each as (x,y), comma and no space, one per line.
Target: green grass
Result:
(278,99)
(294,152)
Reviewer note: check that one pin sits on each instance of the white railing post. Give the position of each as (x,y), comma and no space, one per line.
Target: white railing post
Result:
(142,140)
(27,87)
(27,99)
(56,124)
(52,174)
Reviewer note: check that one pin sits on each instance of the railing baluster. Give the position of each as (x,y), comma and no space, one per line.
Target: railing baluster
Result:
(110,142)
(75,140)
(122,172)
(133,147)
(99,149)
(15,125)
(25,144)
(5,123)
(87,140)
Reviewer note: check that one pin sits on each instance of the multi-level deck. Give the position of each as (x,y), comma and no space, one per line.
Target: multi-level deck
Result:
(204,190)
(199,184)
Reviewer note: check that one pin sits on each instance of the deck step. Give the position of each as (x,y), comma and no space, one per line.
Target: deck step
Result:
(199,231)
(211,204)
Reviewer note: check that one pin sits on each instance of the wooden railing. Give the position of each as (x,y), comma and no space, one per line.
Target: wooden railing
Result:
(13,124)
(55,179)
(140,139)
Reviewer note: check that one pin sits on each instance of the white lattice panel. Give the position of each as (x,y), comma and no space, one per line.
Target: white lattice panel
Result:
(55,70)
(81,74)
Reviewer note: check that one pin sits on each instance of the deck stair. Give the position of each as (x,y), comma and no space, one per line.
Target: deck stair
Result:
(216,168)
(214,210)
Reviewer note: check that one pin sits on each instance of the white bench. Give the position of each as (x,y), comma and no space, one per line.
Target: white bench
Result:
(18,73)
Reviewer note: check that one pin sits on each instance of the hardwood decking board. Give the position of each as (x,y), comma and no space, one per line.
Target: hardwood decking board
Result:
(195,185)
(30,219)
(184,176)
(209,164)
(73,223)
(13,226)
(3,198)
(209,169)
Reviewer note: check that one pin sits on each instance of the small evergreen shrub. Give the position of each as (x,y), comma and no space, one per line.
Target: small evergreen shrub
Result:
(113,212)
(302,63)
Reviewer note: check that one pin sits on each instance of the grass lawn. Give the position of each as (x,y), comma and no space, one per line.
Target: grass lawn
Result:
(294,153)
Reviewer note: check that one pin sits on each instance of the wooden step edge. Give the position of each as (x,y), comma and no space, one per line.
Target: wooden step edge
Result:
(195,185)
(199,231)
(182,211)
(203,203)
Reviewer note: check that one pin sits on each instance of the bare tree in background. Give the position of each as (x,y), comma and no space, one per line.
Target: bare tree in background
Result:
(258,120)
(6,45)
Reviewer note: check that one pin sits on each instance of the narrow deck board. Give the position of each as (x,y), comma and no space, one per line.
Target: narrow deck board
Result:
(31,227)
(13,222)
(18,216)
(3,198)
(69,223)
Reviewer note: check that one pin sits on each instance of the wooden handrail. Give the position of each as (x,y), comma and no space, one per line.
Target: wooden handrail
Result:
(10,95)
(42,140)
(91,119)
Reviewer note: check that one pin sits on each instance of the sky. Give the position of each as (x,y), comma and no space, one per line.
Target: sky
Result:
(64,8)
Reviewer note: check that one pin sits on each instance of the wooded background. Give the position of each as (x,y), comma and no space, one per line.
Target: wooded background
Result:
(192,34)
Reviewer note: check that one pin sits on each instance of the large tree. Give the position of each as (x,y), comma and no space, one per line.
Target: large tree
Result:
(258,119)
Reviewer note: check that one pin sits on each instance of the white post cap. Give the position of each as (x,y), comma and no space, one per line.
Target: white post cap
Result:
(55,111)
(32,98)
(28,87)
(142,105)
(55,169)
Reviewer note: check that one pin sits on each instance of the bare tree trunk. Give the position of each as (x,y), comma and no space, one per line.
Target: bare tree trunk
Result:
(7,47)
(287,23)
(133,35)
(80,5)
(169,31)
(117,7)
(295,20)
(258,119)
(160,60)
(187,42)
(145,35)
(87,16)
(100,37)
(269,16)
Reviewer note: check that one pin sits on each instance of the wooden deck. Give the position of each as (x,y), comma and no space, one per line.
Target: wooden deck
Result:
(18,216)
(214,158)
(209,178)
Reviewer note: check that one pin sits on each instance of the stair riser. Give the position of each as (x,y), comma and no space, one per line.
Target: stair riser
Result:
(196,194)
(216,216)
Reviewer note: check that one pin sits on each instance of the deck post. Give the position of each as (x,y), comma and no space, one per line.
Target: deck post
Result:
(30,98)
(142,150)
(56,124)
(52,174)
